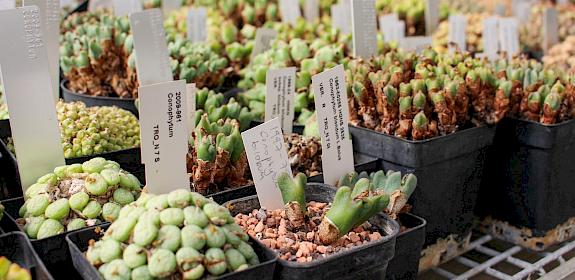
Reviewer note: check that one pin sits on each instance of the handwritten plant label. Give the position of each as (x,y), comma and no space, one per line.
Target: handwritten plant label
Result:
(264,37)
(170,5)
(364,26)
(289,10)
(550,28)
(416,43)
(197,25)
(127,7)
(268,158)
(333,117)
(280,93)
(490,37)
(311,10)
(24,58)
(50,15)
(509,36)
(431,16)
(7,4)
(457,34)
(191,90)
(152,58)
(163,130)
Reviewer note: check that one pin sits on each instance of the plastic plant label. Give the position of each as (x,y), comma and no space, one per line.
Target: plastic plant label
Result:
(28,91)
(416,43)
(170,5)
(68,3)
(191,90)
(7,4)
(490,37)
(332,117)
(280,93)
(341,16)
(264,36)
(289,10)
(50,16)
(431,16)
(268,158)
(387,26)
(364,26)
(311,10)
(457,34)
(127,7)
(163,130)
(550,28)
(197,25)
(94,5)
(152,57)
(509,36)
(521,10)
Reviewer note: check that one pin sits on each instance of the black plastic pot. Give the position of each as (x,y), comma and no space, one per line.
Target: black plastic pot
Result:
(405,262)
(363,163)
(129,160)
(90,101)
(448,168)
(17,248)
(529,175)
(78,244)
(5,128)
(53,251)
(368,261)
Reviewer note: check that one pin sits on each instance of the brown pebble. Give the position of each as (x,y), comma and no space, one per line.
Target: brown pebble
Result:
(375,236)
(259,227)
(268,243)
(270,222)
(309,259)
(301,260)
(321,249)
(309,236)
(353,237)
(299,253)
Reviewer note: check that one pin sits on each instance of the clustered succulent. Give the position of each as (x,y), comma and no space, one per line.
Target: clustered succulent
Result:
(215,106)
(180,235)
(410,11)
(560,56)
(75,196)
(96,55)
(531,33)
(96,130)
(243,12)
(216,157)
(473,34)
(12,271)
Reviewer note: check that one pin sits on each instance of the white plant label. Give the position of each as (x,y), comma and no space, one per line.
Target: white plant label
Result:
(23,58)
(264,37)
(7,4)
(341,16)
(50,16)
(311,10)
(94,5)
(289,10)
(550,28)
(280,93)
(387,26)
(364,26)
(191,90)
(490,37)
(457,34)
(152,57)
(163,130)
(521,10)
(431,16)
(332,117)
(416,43)
(268,158)
(197,25)
(68,3)
(170,5)
(127,7)
(509,36)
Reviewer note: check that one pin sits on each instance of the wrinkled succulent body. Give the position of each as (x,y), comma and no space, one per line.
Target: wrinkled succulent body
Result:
(177,235)
(76,196)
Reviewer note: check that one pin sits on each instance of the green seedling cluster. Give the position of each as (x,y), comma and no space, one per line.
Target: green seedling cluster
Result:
(75,196)
(180,235)
(211,103)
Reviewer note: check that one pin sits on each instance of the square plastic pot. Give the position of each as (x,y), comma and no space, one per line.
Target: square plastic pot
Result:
(529,175)
(17,248)
(363,163)
(129,160)
(91,101)
(405,262)
(368,261)
(78,244)
(53,251)
(448,168)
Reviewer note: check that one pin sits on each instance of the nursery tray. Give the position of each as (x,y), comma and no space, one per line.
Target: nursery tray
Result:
(367,261)
(17,248)
(448,169)
(78,244)
(405,262)
(53,251)
(91,101)
(5,128)
(529,176)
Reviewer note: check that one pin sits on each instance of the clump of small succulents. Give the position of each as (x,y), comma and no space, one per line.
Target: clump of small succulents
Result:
(216,157)
(180,235)
(531,33)
(473,34)
(214,105)
(96,130)
(243,12)
(560,56)
(13,271)
(75,196)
